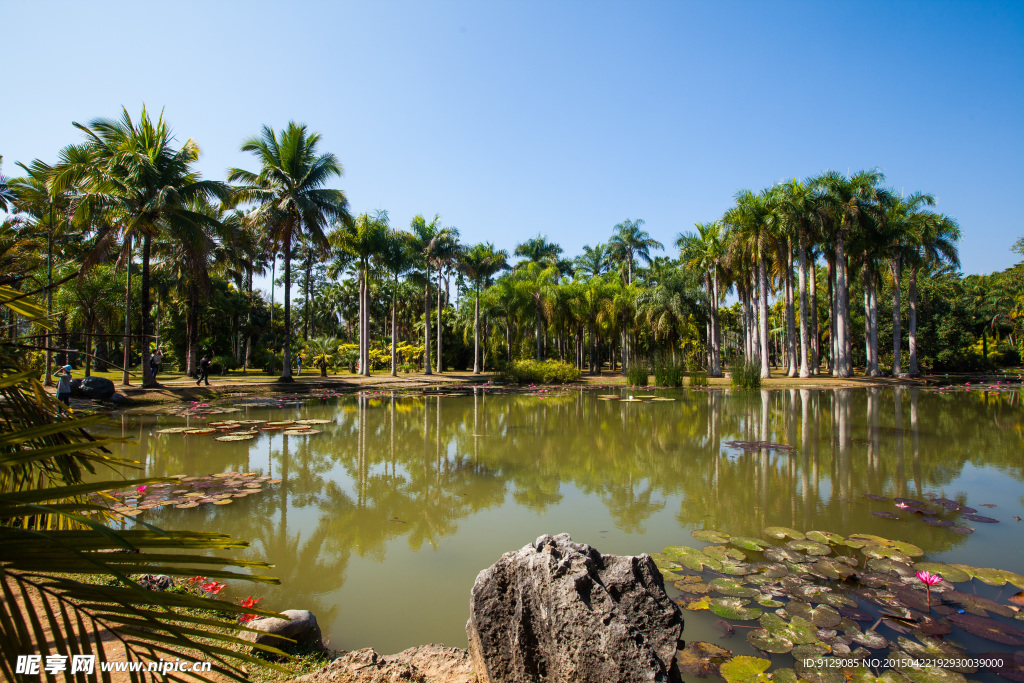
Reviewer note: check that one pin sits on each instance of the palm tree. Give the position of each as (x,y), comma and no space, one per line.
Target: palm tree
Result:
(704,252)
(445,257)
(291,198)
(129,176)
(480,264)
(537,250)
(396,258)
(933,243)
(798,208)
(6,196)
(849,200)
(430,242)
(630,243)
(364,240)
(750,218)
(900,220)
(593,261)
(47,213)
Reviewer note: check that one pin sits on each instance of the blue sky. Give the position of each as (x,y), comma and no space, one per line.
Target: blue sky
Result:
(563,118)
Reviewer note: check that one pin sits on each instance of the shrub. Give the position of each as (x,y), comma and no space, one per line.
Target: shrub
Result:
(698,379)
(636,375)
(746,376)
(668,373)
(219,365)
(544,372)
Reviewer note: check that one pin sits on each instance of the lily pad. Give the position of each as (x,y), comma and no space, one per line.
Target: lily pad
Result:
(236,437)
(989,629)
(693,588)
(781,532)
(782,554)
(734,608)
(993,577)
(828,568)
(932,649)
(977,604)
(871,639)
(885,514)
(947,571)
(172,430)
(749,543)
(768,642)
(701,659)
(821,616)
(739,669)
(875,496)
(810,547)
(828,537)
(732,587)
(709,535)
(925,673)
(888,552)
(692,558)
(723,552)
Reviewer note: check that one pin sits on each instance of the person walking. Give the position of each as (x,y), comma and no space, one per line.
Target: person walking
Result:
(298,363)
(159,360)
(204,371)
(154,365)
(64,388)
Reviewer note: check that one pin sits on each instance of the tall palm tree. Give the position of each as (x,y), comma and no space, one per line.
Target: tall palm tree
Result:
(933,242)
(290,198)
(901,217)
(428,239)
(364,239)
(799,210)
(47,213)
(703,251)
(445,257)
(129,176)
(480,264)
(750,218)
(396,258)
(6,196)
(850,199)
(629,243)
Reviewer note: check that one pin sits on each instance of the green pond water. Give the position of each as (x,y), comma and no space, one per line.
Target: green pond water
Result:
(383,520)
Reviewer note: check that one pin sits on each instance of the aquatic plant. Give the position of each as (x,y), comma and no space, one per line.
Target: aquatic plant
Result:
(746,376)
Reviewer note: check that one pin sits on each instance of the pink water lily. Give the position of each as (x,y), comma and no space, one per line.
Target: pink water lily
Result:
(902,506)
(141,489)
(929,580)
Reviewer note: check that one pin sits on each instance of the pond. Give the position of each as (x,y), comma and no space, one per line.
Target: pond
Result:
(382,521)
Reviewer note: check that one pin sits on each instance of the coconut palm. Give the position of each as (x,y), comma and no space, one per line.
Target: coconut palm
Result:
(291,198)
(593,261)
(480,264)
(364,239)
(629,243)
(129,178)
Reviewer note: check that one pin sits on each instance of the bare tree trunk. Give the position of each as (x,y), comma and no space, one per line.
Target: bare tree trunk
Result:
(440,324)
(812,318)
(867,318)
(842,310)
(286,369)
(147,377)
(394,330)
(912,321)
(873,307)
(48,380)
(805,311)
(762,284)
(897,366)
(248,322)
(426,325)
(476,333)
(716,330)
(790,316)
(833,346)
(125,379)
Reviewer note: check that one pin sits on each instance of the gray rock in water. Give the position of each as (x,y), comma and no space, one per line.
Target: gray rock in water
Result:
(558,611)
(92,387)
(300,627)
(156,582)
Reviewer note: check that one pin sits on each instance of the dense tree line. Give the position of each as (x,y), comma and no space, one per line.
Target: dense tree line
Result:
(129,248)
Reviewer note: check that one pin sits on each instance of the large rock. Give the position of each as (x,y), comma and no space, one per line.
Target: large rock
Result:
(92,387)
(424,664)
(558,611)
(300,627)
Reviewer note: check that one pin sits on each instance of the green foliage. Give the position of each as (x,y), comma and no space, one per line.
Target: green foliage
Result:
(699,379)
(637,375)
(746,376)
(668,373)
(544,372)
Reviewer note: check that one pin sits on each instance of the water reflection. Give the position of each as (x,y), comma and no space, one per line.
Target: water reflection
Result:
(382,522)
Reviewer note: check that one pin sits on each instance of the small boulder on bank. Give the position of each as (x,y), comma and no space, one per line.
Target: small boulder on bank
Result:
(424,664)
(558,611)
(156,582)
(99,388)
(300,627)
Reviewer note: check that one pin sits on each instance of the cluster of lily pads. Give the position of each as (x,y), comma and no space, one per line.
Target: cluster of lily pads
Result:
(244,430)
(632,399)
(941,512)
(185,492)
(830,600)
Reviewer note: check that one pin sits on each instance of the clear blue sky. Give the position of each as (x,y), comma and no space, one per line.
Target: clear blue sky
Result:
(562,118)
